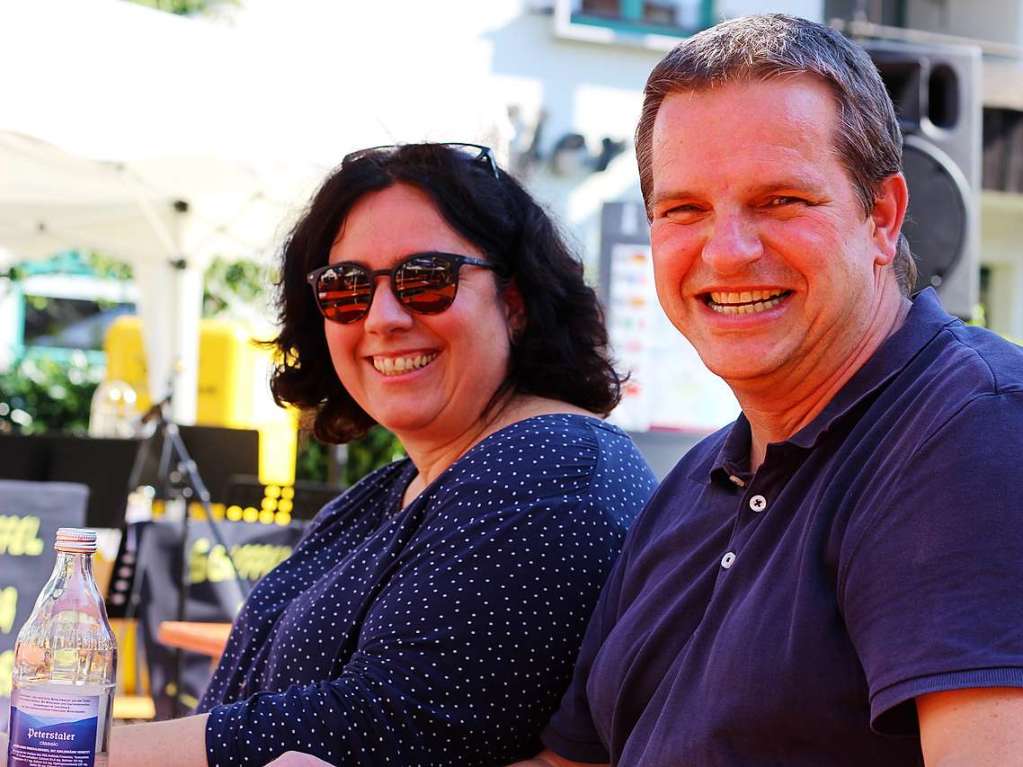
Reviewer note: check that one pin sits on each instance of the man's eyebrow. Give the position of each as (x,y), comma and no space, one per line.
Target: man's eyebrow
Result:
(672,194)
(803,184)
(793,184)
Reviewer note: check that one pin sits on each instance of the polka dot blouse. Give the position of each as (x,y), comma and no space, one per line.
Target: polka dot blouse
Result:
(442,633)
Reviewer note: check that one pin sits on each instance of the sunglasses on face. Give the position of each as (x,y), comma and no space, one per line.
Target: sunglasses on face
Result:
(425,283)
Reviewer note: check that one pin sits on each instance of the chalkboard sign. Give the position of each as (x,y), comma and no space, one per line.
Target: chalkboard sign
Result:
(30,513)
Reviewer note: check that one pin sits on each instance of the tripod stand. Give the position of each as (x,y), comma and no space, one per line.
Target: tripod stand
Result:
(178,478)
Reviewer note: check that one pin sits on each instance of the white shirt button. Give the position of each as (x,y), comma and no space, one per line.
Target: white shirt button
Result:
(758,503)
(728,559)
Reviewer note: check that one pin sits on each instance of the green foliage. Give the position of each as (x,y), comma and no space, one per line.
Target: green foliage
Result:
(378,448)
(183,7)
(44,394)
(234,287)
(107,268)
(312,459)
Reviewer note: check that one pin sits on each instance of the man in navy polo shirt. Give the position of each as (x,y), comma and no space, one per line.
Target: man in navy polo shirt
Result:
(836,578)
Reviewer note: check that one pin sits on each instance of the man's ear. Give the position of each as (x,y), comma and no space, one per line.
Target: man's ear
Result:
(887,216)
(514,309)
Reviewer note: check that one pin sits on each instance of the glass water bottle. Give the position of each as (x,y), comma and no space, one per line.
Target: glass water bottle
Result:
(65,660)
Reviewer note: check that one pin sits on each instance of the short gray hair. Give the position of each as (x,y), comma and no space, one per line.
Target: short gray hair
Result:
(868,140)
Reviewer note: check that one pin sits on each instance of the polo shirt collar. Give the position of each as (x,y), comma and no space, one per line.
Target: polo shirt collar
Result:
(925,319)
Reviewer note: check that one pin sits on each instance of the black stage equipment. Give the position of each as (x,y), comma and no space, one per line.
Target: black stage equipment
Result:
(936,92)
(178,478)
(219,453)
(102,464)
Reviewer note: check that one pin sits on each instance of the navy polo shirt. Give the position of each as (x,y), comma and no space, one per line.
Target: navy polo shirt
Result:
(791,616)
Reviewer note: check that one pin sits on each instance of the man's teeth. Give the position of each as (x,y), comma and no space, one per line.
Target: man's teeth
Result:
(392,366)
(746,302)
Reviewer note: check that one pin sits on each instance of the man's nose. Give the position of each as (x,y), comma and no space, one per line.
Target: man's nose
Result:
(732,244)
(386,314)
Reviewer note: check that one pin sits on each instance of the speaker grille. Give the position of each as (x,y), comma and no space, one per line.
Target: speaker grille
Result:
(937,219)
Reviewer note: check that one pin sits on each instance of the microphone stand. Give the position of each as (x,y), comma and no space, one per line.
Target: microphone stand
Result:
(178,478)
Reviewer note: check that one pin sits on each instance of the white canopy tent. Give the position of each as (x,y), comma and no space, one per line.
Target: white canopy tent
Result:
(165,141)
(51,201)
(112,138)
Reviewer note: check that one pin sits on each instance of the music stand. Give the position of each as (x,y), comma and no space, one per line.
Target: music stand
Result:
(24,458)
(104,465)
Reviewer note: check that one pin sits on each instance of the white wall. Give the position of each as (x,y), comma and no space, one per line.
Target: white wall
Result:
(808,9)
(1002,252)
(387,73)
(594,89)
(996,20)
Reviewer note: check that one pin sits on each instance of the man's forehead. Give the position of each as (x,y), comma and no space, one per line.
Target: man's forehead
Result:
(793,98)
(785,120)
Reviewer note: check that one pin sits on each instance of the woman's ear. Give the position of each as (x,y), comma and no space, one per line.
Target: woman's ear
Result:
(514,309)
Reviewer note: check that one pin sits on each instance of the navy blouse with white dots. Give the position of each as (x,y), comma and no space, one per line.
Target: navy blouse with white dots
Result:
(442,633)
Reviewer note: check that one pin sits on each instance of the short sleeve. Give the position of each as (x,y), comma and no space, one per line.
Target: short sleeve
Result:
(932,587)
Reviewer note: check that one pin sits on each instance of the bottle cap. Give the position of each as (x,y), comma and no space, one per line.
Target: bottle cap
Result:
(75,540)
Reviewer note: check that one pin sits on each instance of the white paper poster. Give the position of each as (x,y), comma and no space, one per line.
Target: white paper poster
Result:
(669,388)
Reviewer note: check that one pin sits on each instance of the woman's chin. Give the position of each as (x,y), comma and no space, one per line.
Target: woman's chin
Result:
(412,415)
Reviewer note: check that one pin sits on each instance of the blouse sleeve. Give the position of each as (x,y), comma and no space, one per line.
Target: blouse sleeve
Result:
(571,732)
(464,652)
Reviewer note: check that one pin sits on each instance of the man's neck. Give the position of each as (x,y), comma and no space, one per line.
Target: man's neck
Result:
(779,408)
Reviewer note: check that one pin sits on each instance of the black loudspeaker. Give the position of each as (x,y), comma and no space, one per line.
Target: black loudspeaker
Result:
(936,92)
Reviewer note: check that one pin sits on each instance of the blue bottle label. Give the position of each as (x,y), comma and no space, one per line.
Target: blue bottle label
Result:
(52,730)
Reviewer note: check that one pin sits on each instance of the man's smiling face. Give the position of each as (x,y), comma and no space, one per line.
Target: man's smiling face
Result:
(763,256)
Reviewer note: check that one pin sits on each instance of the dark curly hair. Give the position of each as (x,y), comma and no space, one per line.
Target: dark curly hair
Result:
(560,353)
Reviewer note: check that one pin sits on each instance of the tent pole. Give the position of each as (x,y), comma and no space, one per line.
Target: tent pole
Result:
(188,310)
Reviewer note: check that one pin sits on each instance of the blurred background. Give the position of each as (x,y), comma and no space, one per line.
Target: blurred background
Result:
(154,154)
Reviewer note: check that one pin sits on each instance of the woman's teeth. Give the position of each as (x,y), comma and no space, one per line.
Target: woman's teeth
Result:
(748,302)
(392,366)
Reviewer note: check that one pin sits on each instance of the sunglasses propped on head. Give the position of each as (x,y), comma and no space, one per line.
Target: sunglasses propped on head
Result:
(425,283)
(472,152)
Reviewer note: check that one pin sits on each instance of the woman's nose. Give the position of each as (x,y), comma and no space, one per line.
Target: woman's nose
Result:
(386,314)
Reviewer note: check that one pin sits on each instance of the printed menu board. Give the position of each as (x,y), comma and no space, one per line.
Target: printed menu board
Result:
(669,388)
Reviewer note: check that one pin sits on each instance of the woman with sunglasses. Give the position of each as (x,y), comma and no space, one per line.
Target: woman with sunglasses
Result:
(432,613)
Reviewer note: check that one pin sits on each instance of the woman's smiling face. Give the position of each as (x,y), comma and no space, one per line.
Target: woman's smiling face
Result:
(427,377)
